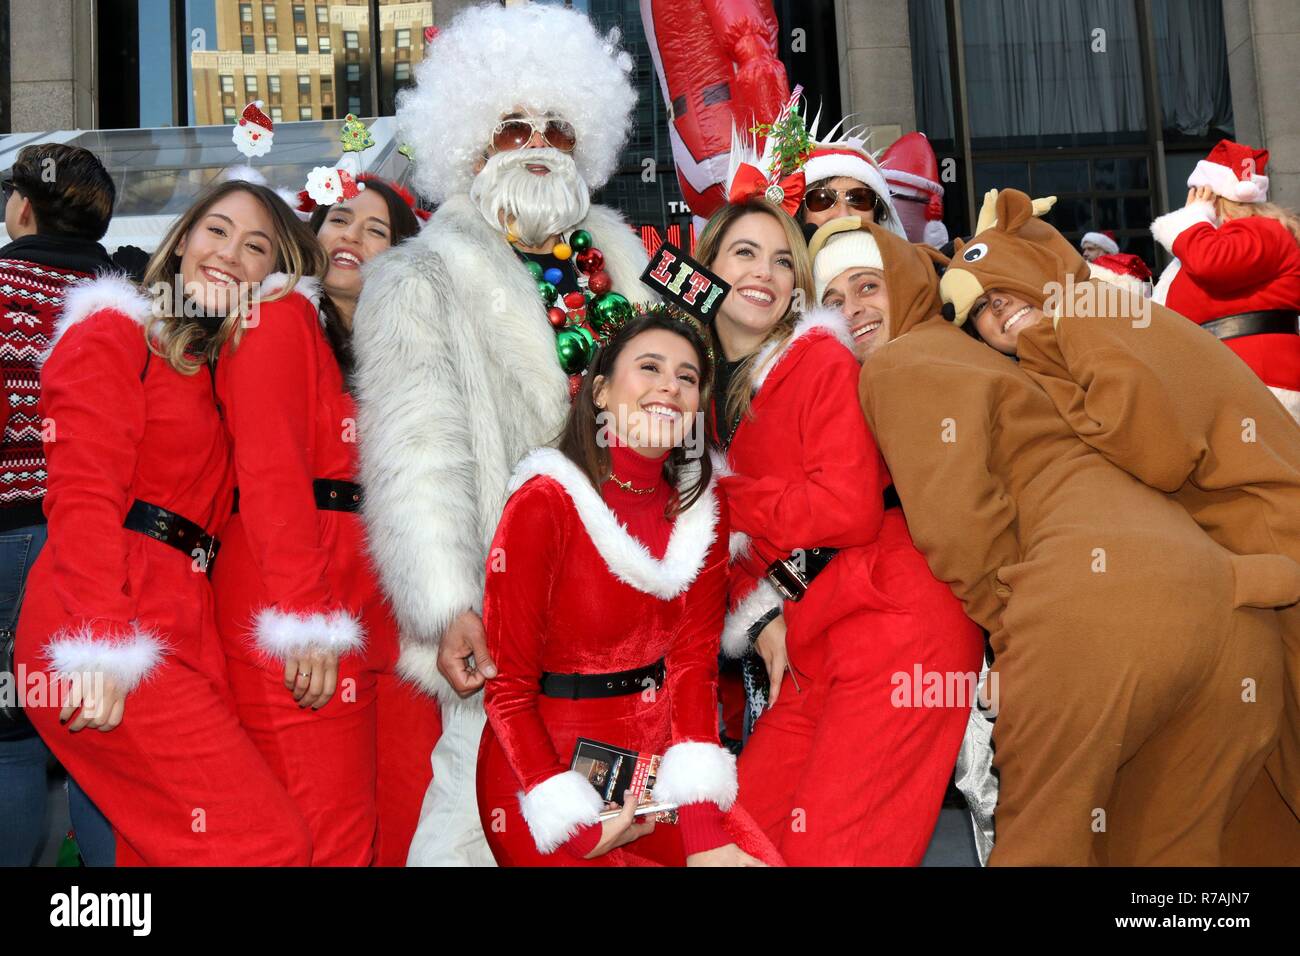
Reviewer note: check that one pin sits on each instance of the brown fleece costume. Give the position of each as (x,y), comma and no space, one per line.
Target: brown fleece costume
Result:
(1180,411)
(1121,630)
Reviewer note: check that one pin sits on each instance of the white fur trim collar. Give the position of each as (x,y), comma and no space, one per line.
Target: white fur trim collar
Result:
(307,286)
(107,293)
(628,559)
(821,321)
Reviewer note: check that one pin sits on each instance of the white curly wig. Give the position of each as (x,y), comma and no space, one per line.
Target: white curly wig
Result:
(492,59)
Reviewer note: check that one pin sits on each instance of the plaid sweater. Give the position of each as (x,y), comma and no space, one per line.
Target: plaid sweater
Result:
(34,272)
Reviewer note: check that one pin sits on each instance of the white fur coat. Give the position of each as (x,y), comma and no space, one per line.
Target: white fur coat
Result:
(456,380)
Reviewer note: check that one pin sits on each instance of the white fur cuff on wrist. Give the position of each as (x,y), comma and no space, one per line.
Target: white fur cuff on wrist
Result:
(697,772)
(283,635)
(1171,225)
(755,604)
(127,660)
(558,806)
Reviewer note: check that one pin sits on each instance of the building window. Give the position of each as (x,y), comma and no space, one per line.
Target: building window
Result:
(354,73)
(250,86)
(246,44)
(323,43)
(268,15)
(402,72)
(403,39)
(273,84)
(354,105)
(327,112)
(300,44)
(322,14)
(304,84)
(350,41)
(228,115)
(277,115)
(304,112)
(227,83)
(299,13)
(326,86)
(246,12)
(272,44)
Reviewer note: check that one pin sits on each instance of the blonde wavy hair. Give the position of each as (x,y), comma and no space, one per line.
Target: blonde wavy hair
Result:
(740,392)
(1229,209)
(174,337)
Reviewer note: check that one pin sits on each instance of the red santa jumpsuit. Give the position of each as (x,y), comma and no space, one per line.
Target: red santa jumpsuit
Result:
(580,582)
(1243,265)
(850,766)
(178,778)
(296,577)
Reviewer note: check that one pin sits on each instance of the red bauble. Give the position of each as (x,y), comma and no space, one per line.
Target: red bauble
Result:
(557,316)
(575,300)
(575,385)
(600,283)
(591,261)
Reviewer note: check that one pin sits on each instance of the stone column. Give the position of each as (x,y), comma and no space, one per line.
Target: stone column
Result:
(876,66)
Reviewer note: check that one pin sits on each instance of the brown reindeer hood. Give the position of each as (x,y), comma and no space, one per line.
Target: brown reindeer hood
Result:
(1018,253)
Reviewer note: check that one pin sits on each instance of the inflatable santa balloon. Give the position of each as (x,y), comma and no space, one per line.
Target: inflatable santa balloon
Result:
(718,67)
(912,172)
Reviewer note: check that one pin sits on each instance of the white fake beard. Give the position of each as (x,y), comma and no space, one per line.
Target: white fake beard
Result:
(533,207)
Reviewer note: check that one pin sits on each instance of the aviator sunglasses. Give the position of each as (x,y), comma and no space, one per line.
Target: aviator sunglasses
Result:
(515,132)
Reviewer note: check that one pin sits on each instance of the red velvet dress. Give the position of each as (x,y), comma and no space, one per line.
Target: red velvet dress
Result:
(846,768)
(570,590)
(295,578)
(179,779)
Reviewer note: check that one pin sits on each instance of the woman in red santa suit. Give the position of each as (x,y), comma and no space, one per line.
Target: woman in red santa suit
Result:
(408,721)
(1237,271)
(834,771)
(605,593)
(302,621)
(119,601)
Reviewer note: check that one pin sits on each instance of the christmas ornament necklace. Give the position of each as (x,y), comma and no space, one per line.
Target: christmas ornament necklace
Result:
(627,485)
(584,318)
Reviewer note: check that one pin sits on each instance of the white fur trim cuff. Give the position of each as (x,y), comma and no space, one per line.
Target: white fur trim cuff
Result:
(283,634)
(1171,225)
(735,632)
(127,660)
(696,772)
(558,806)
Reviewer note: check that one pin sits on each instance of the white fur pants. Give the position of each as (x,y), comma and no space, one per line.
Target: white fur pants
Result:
(449,832)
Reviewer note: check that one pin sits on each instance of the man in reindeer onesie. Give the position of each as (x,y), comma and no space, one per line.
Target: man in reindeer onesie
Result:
(516,115)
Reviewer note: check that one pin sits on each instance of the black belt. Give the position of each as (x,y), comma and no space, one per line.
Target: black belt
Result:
(173,530)
(580,686)
(1271,322)
(792,576)
(332,494)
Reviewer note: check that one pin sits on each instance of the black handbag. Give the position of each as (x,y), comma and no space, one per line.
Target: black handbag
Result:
(12,718)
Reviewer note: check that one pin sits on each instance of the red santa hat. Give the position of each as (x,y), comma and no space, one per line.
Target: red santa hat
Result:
(1124,270)
(912,170)
(254,117)
(1234,171)
(1104,240)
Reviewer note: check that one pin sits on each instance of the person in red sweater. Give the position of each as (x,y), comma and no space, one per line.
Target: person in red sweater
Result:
(605,592)
(119,602)
(408,721)
(1237,271)
(304,626)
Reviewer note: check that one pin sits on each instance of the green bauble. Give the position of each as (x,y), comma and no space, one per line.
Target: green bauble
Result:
(535,269)
(610,309)
(586,333)
(573,349)
(547,291)
(580,241)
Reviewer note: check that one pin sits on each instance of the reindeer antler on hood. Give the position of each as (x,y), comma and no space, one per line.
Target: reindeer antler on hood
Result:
(1014,252)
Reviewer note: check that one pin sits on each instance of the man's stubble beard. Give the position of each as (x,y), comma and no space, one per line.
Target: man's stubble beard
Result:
(533,207)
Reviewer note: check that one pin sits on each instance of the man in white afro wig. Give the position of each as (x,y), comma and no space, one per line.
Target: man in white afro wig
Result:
(493,59)
(517,114)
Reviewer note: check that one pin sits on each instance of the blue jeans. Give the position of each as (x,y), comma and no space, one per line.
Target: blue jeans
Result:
(23,762)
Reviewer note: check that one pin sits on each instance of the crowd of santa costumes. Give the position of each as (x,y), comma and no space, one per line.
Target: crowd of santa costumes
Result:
(374,549)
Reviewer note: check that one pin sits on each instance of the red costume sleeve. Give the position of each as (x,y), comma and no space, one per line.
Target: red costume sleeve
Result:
(747,31)
(93,396)
(837,500)
(1235,256)
(268,389)
(557,802)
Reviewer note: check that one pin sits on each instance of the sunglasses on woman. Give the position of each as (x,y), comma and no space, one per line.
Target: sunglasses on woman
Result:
(517,131)
(823,198)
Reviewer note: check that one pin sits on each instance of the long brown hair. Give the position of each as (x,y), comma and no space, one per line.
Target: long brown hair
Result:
(177,338)
(578,438)
(741,390)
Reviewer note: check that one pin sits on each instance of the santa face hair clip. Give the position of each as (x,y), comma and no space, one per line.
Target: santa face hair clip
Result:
(254,132)
(327,185)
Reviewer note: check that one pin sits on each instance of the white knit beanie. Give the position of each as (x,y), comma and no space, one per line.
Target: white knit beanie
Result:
(845,250)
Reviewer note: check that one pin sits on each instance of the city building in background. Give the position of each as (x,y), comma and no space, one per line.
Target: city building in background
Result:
(1105,103)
